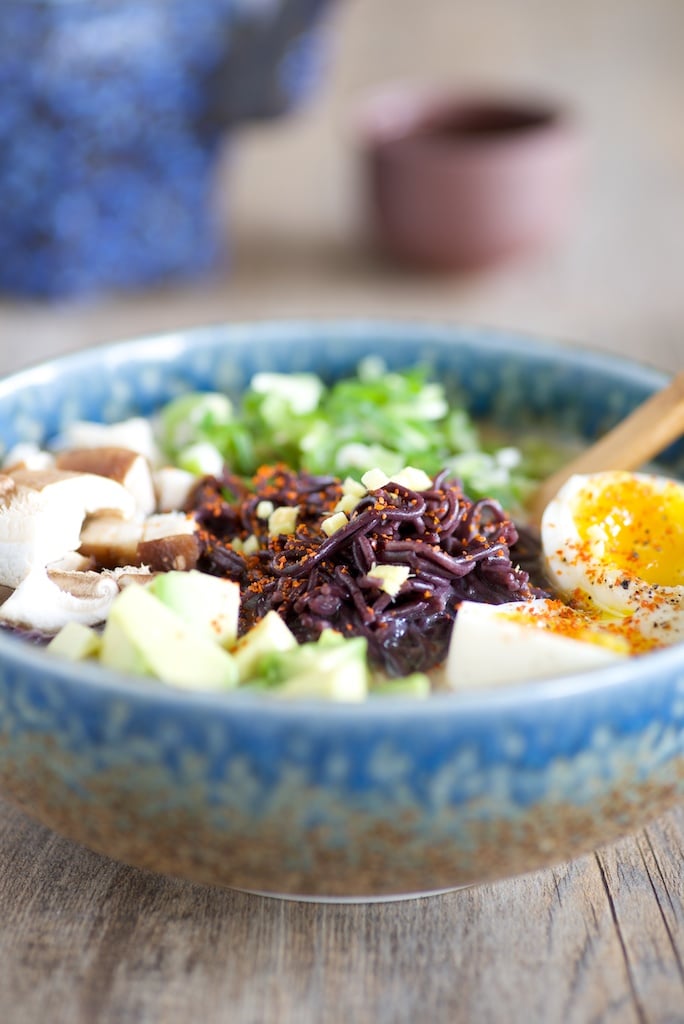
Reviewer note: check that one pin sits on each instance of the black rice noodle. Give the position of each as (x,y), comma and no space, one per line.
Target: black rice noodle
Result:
(456,549)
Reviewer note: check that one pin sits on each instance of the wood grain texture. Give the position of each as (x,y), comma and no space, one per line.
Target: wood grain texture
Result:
(85,939)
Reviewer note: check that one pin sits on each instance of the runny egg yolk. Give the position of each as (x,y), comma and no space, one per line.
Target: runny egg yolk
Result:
(613,544)
(637,523)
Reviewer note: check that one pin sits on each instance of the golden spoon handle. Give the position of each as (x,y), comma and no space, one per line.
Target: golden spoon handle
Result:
(648,430)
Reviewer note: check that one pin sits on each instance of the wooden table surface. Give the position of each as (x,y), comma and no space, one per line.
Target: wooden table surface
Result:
(84,939)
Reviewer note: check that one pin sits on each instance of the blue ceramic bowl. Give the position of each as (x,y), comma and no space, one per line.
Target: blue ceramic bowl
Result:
(386,798)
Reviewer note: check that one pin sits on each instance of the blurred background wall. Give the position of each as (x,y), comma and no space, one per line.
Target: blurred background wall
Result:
(291,190)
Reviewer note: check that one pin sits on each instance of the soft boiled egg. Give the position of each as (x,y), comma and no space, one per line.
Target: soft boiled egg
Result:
(525,640)
(613,545)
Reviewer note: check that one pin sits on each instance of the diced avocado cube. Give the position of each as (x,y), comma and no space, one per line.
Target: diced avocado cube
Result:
(118,649)
(333,668)
(76,642)
(143,635)
(415,685)
(268,635)
(207,603)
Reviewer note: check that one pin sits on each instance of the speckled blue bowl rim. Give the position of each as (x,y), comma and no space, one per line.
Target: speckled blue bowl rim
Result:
(625,677)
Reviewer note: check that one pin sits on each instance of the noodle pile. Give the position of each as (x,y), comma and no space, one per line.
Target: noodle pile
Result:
(455,549)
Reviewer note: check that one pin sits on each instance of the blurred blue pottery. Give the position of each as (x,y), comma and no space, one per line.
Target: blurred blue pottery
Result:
(113,116)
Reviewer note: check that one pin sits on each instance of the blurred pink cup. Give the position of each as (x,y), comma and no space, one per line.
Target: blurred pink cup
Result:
(465,181)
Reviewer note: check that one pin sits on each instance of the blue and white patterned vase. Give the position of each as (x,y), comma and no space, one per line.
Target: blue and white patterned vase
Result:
(113,117)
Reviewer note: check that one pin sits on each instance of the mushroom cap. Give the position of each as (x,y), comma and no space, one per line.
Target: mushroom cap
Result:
(136,434)
(173,486)
(130,469)
(41,514)
(169,541)
(111,541)
(46,601)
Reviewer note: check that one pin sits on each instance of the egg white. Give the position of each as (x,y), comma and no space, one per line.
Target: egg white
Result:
(520,641)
